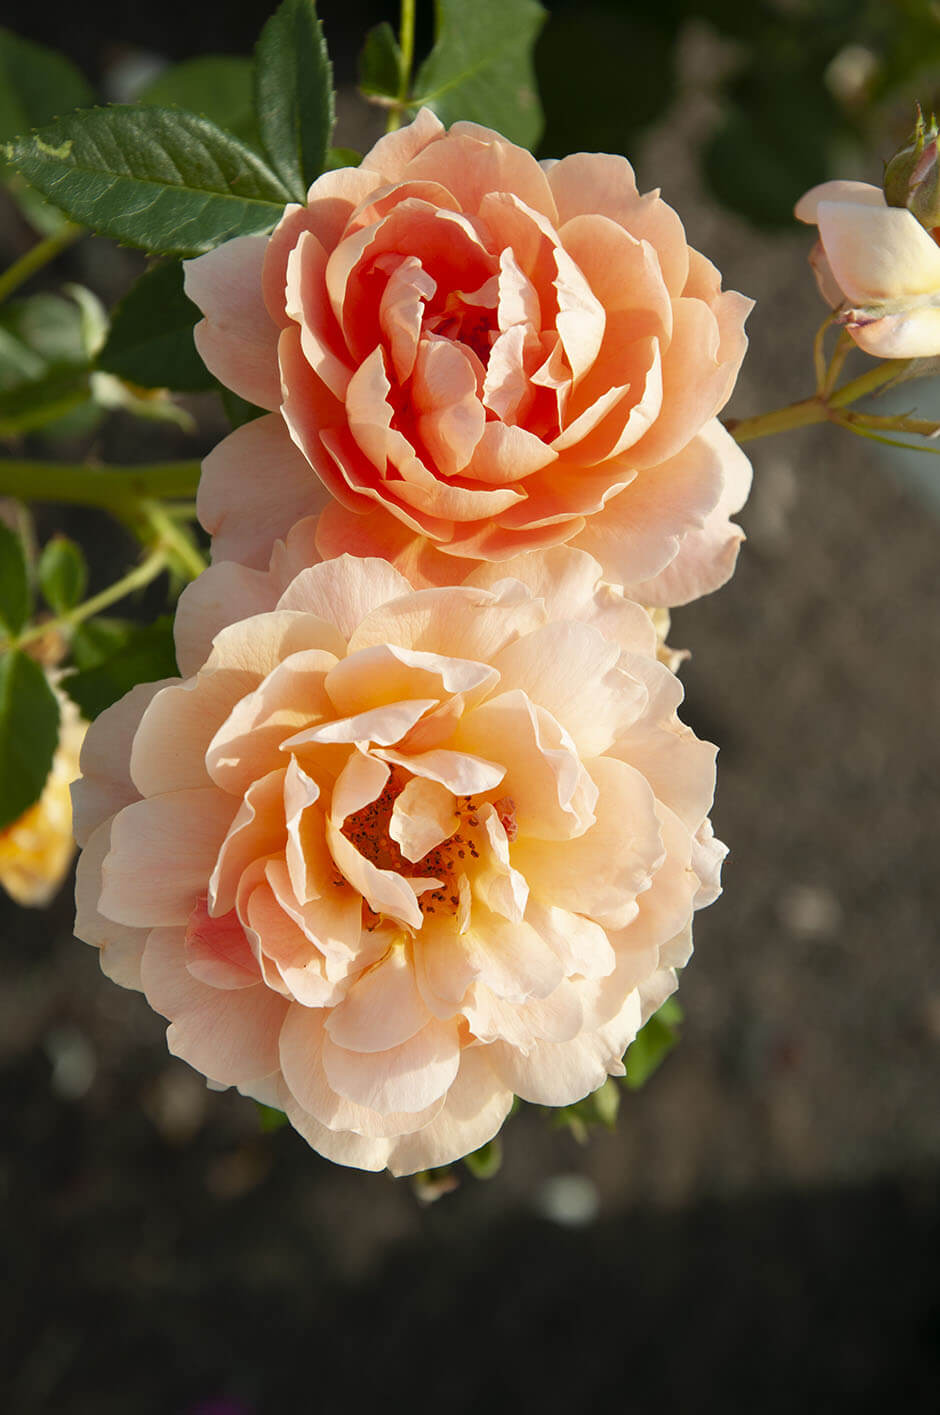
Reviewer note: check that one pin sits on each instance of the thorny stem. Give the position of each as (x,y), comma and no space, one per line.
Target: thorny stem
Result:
(819,408)
(406,41)
(34,260)
(112,488)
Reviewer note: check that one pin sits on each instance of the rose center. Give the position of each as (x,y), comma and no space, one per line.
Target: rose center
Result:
(369,831)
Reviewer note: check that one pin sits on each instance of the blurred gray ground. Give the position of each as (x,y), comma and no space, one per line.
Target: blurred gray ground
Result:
(803,1096)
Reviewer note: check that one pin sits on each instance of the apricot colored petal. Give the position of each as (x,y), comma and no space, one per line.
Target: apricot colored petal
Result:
(581,945)
(248,743)
(237,340)
(401,313)
(378,532)
(257,830)
(380,676)
(571,670)
(337,194)
(255,484)
(558,1073)
(120,946)
(506,454)
(344,590)
(459,772)
(562,578)
(314,1107)
(474,1108)
(475,161)
(603,184)
(382,1009)
(552,794)
(105,785)
(638,532)
(170,745)
(678,766)
(624,273)
(450,417)
(423,816)
(381,725)
(625,837)
(217,952)
(706,554)
(409,1077)
(178,835)
(467,623)
(320,336)
(219,596)
(580,319)
(394,154)
(229,1035)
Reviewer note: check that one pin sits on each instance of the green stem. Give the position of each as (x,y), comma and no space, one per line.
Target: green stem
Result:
(41,254)
(406,42)
(117,489)
(817,409)
(135,579)
(173,539)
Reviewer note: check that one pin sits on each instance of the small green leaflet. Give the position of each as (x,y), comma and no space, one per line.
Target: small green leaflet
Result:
(159,178)
(294,94)
(63,574)
(481,66)
(652,1044)
(380,63)
(29,733)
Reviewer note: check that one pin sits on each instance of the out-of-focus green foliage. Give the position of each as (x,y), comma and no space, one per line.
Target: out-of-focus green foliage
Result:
(29,733)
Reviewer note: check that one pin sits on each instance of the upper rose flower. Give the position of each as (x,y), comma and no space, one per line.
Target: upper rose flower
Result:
(387,857)
(879,266)
(477,355)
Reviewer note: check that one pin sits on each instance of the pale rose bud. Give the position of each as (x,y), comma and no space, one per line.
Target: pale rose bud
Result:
(912,176)
(878,267)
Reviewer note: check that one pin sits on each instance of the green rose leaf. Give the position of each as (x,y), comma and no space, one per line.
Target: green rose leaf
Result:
(481,66)
(15,601)
(29,733)
(135,654)
(36,84)
(380,63)
(652,1044)
(159,178)
(151,338)
(294,94)
(220,87)
(63,574)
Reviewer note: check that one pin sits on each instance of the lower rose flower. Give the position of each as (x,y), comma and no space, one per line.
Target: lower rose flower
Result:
(387,857)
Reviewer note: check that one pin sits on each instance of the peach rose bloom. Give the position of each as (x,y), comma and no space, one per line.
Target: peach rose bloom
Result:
(466,355)
(387,857)
(878,266)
